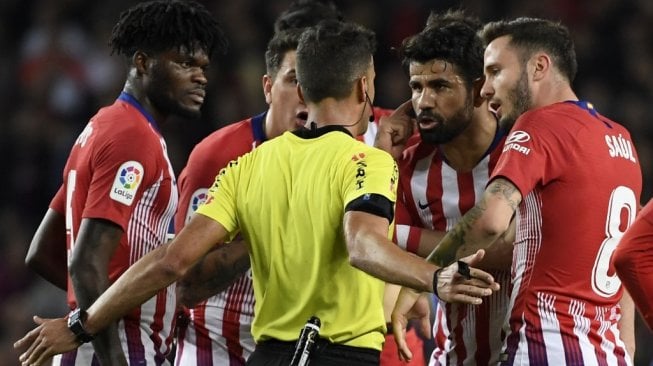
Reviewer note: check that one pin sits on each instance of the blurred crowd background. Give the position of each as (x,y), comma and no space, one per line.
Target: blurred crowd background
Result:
(56,71)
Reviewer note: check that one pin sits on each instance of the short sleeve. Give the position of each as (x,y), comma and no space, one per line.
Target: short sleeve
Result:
(220,204)
(531,153)
(123,167)
(370,171)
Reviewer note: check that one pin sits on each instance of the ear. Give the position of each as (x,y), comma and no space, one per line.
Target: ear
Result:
(361,90)
(476,91)
(300,94)
(140,60)
(267,88)
(541,65)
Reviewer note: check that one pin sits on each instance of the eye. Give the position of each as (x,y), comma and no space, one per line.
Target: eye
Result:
(185,64)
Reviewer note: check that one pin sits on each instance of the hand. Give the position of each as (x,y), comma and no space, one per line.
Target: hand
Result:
(395,130)
(410,305)
(49,338)
(454,287)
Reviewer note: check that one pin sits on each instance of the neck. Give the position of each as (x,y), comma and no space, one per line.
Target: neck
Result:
(465,151)
(346,112)
(556,91)
(134,87)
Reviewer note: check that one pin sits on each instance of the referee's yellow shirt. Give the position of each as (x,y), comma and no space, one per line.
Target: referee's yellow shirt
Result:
(288,198)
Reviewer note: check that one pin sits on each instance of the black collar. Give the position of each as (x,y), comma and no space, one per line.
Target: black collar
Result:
(314,131)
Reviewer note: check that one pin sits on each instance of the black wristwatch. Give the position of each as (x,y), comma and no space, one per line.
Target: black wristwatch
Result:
(76,321)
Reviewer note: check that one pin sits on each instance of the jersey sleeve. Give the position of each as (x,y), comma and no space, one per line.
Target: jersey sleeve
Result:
(369,171)
(533,153)
(123,166)
(220,204)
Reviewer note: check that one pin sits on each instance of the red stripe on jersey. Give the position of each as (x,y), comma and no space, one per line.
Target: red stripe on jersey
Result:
(231,322)
(202,340)
(483,351)
(134,342)
(460,350)
(466,194)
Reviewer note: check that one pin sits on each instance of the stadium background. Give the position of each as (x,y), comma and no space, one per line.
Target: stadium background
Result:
(55,71)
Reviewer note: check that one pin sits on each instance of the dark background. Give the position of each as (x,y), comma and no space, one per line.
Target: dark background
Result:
(55,72)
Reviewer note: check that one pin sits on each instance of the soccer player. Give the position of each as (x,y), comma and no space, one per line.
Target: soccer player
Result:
(315,208)
(572,179)
(219,331)
(632,259)
(119,191)
(442,176)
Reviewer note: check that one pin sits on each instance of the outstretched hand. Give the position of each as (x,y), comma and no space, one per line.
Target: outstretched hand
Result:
(454,285)
(49,338)
(395,130)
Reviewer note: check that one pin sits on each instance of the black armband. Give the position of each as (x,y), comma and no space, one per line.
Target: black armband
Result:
(374,204)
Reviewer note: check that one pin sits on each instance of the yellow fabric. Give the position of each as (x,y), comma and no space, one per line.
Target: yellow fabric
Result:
(287,198)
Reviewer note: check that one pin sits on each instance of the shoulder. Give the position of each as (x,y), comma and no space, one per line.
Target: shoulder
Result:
(225,144)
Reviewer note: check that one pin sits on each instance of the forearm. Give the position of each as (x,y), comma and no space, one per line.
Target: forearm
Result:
(154,271)
(214,273)
(482,225)
(379,257)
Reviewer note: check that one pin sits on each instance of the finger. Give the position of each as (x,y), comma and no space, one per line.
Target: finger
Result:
(483,276)
(34,339)
(425,327)
(465,299)
(474,258)
(399,332)
(477,282)
(471,290)
(405,108)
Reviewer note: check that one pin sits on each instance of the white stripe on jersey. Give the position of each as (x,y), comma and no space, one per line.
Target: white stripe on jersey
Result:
(555,351)
(402,231)
(450,196)
(418,185)
(581,330)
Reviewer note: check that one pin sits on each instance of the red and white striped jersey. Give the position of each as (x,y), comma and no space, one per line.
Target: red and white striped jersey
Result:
(581,181)
(219,332)
(118,170)
(434,196)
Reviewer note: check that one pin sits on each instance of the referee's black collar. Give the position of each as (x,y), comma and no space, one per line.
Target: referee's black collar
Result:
(313,132)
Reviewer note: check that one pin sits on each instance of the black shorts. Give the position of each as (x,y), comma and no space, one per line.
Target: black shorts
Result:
(279,353)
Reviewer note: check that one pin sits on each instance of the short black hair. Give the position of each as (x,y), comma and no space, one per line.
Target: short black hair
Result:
(306,13)
(282,42)
(160,25)
(451,37)
(331,57)
(530,35)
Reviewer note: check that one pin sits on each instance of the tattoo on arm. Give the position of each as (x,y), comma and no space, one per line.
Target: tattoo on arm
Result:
(457,238)
(445,253)
(505,189)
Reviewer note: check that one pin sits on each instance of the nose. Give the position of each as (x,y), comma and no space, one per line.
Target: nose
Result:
(487,91)
(425,99)
(199,76)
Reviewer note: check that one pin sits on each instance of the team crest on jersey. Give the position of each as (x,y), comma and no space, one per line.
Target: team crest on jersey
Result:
(196,200)
(125,185)
(516,141)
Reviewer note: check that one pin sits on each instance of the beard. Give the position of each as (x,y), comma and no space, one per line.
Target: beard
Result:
(159,91)
(446,129)
(521,99)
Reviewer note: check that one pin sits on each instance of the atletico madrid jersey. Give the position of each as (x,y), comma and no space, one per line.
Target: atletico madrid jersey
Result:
(433,195)
(118,170)
(580,180)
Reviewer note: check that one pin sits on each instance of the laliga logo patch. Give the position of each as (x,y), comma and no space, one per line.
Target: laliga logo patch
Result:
(196,200)
(514,141)
(128,178)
